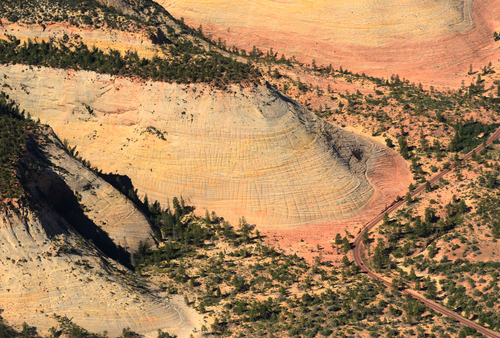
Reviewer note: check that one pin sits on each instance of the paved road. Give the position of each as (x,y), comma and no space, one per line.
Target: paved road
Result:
(438,308)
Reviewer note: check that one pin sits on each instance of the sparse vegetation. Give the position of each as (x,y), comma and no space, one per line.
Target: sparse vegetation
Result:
(433,248)
(250,289)
(187,64)
(226,272)
(15,134)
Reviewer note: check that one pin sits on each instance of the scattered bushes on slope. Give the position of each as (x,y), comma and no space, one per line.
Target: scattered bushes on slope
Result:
(187,64)
(84,13)
(466,135)
(489,210)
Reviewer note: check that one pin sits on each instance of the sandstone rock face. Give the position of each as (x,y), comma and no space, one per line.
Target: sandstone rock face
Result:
(360,22)
(37,282)
(432,42)
(243,152)
(48,268)
(104,205)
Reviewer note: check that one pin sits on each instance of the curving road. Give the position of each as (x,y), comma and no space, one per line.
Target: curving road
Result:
(438,308)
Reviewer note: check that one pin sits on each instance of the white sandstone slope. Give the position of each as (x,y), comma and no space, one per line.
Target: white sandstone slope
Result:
(106,207)
(47,267)
(242,152)
(39,278)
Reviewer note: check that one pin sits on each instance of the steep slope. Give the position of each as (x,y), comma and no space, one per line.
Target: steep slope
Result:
(102,204)
(243,152)
(48,267)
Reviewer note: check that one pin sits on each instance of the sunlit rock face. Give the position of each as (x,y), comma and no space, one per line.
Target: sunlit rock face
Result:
(241,152)
(360,22)
(39,279)
(48,267)
(432,42)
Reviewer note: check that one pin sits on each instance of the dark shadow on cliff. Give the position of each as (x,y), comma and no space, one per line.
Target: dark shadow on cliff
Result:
(47,186)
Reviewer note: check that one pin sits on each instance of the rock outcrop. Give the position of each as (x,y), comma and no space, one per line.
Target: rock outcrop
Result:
(48,267)
(102,204)
(432,42)
(139,41)
(242,152)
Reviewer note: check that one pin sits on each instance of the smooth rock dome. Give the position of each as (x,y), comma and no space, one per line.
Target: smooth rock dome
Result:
(242,152)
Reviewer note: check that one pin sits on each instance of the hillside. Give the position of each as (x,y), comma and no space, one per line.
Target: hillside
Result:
(206,185)
(47,226)
(432,42)
(237,152)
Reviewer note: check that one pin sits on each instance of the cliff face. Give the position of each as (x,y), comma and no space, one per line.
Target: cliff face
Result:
(243,152)
(48,267)
(103,205)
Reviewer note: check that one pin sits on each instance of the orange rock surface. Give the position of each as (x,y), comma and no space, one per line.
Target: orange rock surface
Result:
(432,42)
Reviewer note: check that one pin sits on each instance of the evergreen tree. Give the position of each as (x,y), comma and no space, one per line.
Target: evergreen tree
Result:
(431,289)
(385,219)
(346,245)
(338,242)
(403,145)
(417,284)
(412,275)
(365,239)
(378,259)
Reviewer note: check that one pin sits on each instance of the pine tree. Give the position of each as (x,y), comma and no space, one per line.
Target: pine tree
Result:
(365,239)
(385,219)
(412,275)
(377,258)
(431,289)
(403,145)
(207,219)
(417,284)
(177,207)
(338,241)
(346,245)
